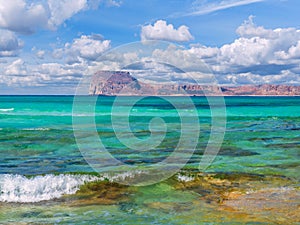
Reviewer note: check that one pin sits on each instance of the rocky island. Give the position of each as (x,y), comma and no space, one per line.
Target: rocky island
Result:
(115,83)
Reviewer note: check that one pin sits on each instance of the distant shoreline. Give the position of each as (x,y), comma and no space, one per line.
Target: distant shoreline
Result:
(119,83)
(50,95)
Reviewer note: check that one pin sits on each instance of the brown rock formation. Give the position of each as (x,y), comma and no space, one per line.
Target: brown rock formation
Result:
(122,83)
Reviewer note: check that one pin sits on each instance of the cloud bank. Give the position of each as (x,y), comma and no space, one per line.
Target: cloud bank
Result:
(257,56)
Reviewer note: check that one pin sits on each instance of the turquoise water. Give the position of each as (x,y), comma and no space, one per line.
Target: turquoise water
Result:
(36,138)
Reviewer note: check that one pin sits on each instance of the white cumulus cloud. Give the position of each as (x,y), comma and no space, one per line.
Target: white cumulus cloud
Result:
(80,55)
(87,47)
(259,46)
(25,16)
(40,54)
(258,55)
(9,43)
(163,31)
(22,16)
(17,67)
(63,9)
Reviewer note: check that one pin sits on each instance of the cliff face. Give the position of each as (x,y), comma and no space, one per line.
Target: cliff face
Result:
(265,89)
(113,83)
(122,83)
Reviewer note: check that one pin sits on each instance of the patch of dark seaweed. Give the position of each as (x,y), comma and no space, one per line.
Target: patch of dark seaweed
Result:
(230,151)
(284,145)
(99,193)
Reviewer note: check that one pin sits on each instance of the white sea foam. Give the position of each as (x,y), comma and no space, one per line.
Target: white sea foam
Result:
(280,190)
(17,188)
(7,110)
(184,178)
(122,176)
(37,129)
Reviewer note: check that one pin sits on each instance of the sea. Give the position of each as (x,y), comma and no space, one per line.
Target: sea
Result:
(51,173)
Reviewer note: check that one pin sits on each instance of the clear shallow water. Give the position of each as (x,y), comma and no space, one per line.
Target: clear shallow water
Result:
(36,137)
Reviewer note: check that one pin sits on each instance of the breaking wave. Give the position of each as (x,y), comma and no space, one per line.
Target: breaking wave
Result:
(22,189)
(7,110)
(18,188)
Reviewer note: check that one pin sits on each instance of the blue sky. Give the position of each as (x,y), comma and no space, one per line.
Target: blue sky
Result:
(47,45)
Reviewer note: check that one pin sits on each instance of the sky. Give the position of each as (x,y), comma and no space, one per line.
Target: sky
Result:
(46,46)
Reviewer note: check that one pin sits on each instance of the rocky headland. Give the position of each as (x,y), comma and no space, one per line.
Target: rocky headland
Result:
(122,83)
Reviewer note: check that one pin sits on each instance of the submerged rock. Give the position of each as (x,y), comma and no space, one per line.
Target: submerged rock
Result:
(247,197)
(218,187)
(100,192)
(279,205)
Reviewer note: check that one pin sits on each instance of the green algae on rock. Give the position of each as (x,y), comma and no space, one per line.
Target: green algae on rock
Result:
(99,193)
